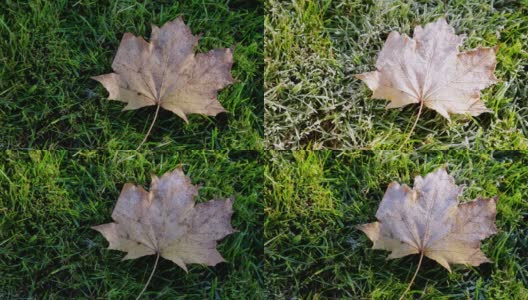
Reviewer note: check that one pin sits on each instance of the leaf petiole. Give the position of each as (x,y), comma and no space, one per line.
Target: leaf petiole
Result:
(414,276)
(150,128)
(150,277)
(414,125)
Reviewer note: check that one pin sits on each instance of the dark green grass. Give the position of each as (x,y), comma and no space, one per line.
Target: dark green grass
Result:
(314,199)
(49,200)
(313,49)
(50,49)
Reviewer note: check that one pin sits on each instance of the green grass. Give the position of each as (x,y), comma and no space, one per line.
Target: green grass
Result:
(314,199)
(50,49)
(49,200)
(313,48)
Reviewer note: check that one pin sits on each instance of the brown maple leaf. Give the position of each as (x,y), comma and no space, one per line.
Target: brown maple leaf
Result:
(167,222)
(167,73)
(429,220)
(428,69)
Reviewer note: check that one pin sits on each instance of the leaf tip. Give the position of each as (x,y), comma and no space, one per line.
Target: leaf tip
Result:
(360,76)
(495,199)
(359,226)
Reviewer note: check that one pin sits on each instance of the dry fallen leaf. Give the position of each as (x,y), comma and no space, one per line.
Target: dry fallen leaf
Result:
(428,69)
(166,221)
(429,220)
(167,73)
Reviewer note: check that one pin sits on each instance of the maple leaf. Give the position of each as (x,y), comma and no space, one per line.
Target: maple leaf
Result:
(167,222)
(428,69)
(429,220)
(167,73)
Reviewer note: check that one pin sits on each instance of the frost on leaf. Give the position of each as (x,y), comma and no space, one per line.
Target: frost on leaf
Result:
(429,69)
(167,221)
(166,72)
(429,219)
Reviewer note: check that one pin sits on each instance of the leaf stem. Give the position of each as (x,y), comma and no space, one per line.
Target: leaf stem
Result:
(150,277)
(414,276)
(414,125)
(150,128)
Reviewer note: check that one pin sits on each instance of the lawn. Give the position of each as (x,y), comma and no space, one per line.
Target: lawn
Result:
(50,49)
(313,49)
(50,199)
(314,199)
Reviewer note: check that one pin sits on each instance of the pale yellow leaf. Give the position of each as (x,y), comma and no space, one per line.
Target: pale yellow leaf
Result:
(167,221)
(429,218)
(429,69)
(168,73)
